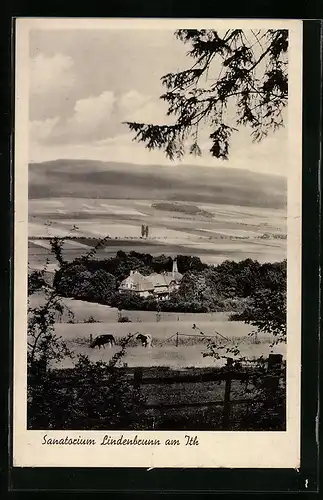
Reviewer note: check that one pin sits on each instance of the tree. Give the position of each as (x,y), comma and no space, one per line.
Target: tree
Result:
(267,312)
(239,70)
(71,280)
(36,281)
(101,287)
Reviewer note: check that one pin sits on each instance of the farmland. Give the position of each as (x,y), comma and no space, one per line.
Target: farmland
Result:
(216,214)
(230,233)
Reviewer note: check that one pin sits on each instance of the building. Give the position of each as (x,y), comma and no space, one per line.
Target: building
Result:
(155,285)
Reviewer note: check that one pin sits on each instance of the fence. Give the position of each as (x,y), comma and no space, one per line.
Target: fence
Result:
(270,381)
(269,376)
(254,337)
(177,335)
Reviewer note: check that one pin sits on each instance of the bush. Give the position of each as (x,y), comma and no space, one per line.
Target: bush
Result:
(91,319)
(103,399)
(124,319)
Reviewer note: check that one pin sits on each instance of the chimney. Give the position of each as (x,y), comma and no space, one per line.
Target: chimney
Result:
(175,270)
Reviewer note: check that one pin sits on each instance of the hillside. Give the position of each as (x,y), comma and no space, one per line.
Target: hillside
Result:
(110,180)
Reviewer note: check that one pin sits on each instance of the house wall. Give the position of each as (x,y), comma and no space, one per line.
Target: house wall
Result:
(143,293)
(127,284)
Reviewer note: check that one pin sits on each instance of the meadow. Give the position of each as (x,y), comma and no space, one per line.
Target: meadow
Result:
(168,349)
(100,313)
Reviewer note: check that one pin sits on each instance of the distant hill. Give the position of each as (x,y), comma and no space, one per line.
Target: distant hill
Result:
(184,183)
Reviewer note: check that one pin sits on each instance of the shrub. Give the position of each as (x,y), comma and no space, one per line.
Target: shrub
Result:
(124,319)
(91,319)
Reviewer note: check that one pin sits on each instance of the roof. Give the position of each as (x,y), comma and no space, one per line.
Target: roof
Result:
(159,279)
(141,282)
(154,280)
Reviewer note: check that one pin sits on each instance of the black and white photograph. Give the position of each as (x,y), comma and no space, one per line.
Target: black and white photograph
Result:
(157,241)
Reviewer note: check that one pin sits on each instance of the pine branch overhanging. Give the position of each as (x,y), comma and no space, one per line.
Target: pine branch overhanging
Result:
(253,77)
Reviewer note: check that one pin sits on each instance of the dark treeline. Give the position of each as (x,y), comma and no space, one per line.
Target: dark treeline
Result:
(204,288)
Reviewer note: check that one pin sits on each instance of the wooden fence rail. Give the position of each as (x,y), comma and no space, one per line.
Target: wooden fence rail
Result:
(270,378)
(139,380)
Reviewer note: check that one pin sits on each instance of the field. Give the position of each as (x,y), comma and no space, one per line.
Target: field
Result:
(231,232)
(105,314)
(167,351)
(164,352)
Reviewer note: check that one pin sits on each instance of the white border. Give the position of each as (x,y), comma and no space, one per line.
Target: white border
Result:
(216,449)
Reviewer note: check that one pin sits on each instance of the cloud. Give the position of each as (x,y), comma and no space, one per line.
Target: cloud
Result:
(136,107)
(151,113)
(90,120)
(131,101)
(50,74)
(268,156)
(40,130)
(101,117)
(91,115)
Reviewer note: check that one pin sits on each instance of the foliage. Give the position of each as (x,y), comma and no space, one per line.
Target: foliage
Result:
(204,288)
(91,319)
(244,71)
(77,281)
(133,302)
(43,344)
(51,403)
(93,395)
(266,312)
(36,281)
(124,319)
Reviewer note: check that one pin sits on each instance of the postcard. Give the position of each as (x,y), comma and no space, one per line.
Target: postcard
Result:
(157,263)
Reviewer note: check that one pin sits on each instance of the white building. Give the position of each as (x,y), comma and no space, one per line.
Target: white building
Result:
(157,285)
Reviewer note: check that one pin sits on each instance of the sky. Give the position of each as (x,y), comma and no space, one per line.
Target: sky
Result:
(85,83)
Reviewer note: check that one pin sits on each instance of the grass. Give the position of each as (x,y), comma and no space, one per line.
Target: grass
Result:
(164,352)
(191,344)
(160,331)
(105,314)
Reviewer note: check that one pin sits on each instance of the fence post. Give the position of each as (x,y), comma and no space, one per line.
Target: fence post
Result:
(274,363)
(137,378)
(176,339)
(255,339)
(227,390)
(91,338)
